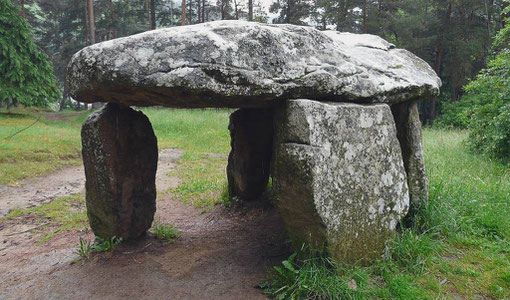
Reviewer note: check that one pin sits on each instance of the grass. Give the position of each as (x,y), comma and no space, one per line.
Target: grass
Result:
(86,247)
(50,145)
(459,249)
(203,135)
(165,231)
(60,215)
(45,147)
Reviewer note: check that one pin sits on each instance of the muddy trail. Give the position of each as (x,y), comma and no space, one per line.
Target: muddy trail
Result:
(221,254)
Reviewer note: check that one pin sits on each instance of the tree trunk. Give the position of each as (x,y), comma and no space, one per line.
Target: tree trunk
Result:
(250,10)
(183,13)
(86,23)
(364,16)
(342,9)
(290,11)
(153,14)
(438,59)
(147,11)
(199,11)
(223,9)
(91,21)
(203,10)
(236,10)
(113,29)
(64,98)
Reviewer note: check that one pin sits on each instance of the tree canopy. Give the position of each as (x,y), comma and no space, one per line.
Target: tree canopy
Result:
(26,75)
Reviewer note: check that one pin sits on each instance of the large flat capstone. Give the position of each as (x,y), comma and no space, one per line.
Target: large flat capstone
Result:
(120,155)
(339,177)
(247,64)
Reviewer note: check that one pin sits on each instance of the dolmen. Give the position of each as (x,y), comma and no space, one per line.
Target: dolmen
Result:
(330,117)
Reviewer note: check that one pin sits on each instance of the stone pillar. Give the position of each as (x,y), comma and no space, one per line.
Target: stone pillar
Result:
(339,178)
(407,120)
(251,132)
(120,155)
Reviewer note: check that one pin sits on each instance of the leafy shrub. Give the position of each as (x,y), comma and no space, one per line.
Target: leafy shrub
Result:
(490,122)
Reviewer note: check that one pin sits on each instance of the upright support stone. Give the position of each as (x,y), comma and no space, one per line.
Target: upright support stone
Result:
(251,132)
(407,120)
(339,177)
(120,155)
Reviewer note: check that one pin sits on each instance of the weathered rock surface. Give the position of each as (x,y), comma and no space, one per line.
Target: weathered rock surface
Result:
(251,132)
(247,64)
(407,120)
(120,156)
(339,177)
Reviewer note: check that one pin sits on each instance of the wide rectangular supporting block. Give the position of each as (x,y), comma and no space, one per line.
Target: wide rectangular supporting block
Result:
(339,177)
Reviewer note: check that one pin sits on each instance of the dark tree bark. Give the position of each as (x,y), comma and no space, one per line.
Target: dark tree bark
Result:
(199,11)
(147,11)
(86,26)
(223,12)
(183,13)
(364,16)
(91,21)
(153,14)
(438,59)
(236,10)
(250,10)
(203,11)
(342,13)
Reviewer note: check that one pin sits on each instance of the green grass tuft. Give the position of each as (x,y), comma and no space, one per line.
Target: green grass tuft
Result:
(165,232)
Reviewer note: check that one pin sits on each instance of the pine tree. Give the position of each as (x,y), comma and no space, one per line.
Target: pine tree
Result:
(26,75)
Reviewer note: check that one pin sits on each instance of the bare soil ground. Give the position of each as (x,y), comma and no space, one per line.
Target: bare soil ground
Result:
(221,254)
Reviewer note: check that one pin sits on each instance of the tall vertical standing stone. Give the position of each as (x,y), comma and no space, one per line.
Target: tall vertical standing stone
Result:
(251,132)
(407,120)
(339,177)
(120,156)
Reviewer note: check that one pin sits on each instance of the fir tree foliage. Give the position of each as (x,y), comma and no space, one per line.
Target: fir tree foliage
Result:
(26,75)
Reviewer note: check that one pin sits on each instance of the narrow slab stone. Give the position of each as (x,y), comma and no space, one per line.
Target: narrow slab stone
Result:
(120,155)
(407,120)
(247,64)
(339,177)
(251,132)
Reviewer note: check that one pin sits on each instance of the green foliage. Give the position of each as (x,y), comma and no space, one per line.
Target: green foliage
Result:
(26,75)
(309,274)
(106,244)
(490,97)
(84,249)
(164,232)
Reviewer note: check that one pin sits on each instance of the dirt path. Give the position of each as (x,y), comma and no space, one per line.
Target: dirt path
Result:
(222,254)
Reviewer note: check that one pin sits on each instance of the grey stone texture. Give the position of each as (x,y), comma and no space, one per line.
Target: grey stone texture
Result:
(120,156)
(247,64)
(248,168)
(339,177)
(407,120)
